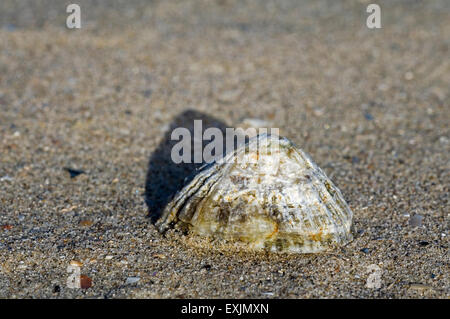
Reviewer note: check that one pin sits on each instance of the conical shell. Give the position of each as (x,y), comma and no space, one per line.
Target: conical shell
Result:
(266,195)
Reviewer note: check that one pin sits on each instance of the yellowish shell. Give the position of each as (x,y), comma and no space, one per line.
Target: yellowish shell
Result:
(266,195)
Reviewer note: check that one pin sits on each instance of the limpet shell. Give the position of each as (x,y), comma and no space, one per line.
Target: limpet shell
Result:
(266,195)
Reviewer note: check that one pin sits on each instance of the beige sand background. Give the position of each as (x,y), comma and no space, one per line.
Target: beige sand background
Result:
(370,106)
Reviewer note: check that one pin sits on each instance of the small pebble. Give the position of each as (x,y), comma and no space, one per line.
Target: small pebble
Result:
(86,222)
(207,267)
(146,93)
(415,220)
(443,140)
(256,123)
(267,293)
(409,76)
(365,250)
(68,209)
(368,116)
(424,243)
(132,280)
(85,282)
(76,263)
(229,96)
(6,178)
(73,172)
(420,287)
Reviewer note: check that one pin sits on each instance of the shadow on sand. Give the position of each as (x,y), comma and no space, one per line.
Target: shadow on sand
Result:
(164,177)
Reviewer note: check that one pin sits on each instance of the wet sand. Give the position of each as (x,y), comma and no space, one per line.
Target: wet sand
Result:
(370,106)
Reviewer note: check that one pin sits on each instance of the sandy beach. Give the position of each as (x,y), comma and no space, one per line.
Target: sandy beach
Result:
(86,116)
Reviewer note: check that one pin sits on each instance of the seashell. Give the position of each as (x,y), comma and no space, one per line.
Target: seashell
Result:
(266,195)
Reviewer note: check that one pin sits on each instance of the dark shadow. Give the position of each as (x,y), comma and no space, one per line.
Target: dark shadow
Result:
(164,177)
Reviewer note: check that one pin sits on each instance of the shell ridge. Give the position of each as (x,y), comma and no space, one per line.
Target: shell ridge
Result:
(208,183)
(171,212)
(201,203)
(329,209)
(339,201)
(324,179)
